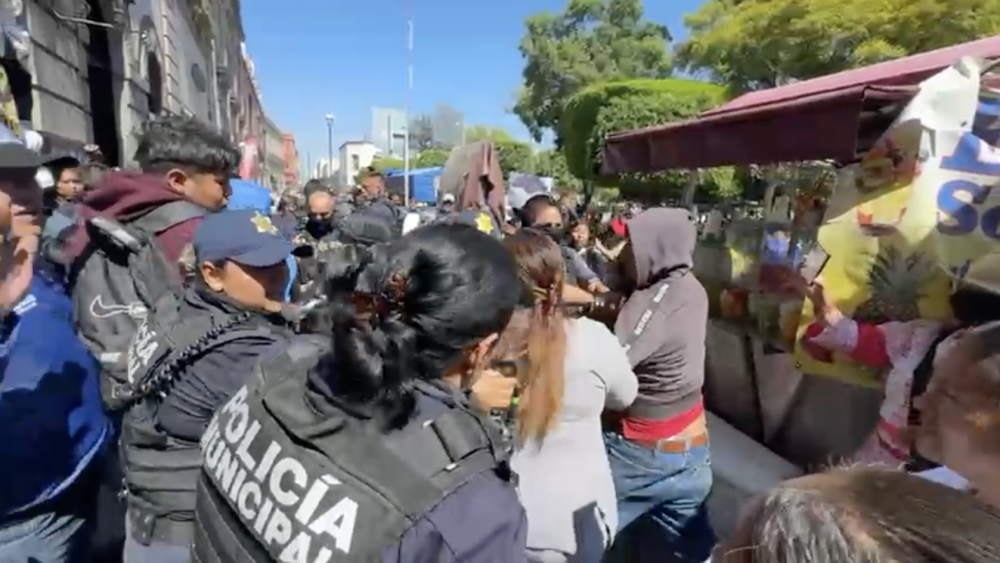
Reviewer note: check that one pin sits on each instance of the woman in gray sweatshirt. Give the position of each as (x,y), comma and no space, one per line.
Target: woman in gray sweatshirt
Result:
(575,368)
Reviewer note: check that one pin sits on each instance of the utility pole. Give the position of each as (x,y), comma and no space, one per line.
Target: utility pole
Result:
(390,136)
(409,96)
(329,143)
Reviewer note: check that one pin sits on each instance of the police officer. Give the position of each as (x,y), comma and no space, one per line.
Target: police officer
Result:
(319,230)
(447,205)
(321,220)
(357,229)
(359,447)
(189,357)
(377,202)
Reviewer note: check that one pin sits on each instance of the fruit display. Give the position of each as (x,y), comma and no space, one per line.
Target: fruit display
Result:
(733,303)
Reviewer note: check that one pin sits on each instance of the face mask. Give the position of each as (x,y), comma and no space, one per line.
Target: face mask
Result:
(318,227)
(554,232)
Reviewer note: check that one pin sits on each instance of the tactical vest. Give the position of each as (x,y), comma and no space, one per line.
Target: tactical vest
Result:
(310,283)
(161,471)
(282,482)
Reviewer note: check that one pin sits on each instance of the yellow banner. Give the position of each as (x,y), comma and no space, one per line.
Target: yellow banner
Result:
(914,216)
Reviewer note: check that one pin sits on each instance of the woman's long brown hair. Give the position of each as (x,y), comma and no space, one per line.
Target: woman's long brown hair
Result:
(542,332)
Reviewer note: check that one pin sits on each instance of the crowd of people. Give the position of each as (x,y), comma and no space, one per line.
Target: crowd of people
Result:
(333,377)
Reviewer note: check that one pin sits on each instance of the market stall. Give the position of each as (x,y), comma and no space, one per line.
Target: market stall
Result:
(870,149)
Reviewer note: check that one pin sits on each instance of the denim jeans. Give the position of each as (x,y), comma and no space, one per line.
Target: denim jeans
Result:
(59,532)
(662,515)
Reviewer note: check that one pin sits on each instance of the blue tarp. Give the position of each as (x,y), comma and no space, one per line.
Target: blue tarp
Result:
(249,195)
(422,182)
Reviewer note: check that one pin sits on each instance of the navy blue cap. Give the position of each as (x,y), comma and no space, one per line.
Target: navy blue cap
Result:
(481,220)
(244,236)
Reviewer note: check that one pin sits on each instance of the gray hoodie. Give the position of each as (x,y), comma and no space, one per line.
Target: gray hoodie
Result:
(668,356)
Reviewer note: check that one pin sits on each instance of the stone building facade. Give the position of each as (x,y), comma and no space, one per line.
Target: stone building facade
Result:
(100,68)
(292,165)
(274,156)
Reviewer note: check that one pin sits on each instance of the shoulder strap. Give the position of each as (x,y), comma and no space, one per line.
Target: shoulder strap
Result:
(437,447)
(167,215)
(154,222)
(654,307)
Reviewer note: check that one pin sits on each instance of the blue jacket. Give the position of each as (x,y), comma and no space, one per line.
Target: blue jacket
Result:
(248,195)
(52,423)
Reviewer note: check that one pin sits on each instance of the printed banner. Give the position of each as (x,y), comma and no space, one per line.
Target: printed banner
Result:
(914,217)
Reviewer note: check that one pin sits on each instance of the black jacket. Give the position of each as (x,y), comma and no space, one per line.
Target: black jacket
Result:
(215,376)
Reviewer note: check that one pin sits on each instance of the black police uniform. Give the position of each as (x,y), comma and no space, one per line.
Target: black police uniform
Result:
(360,228)
(289,474)
(308,284)
(179,353)
(386,210)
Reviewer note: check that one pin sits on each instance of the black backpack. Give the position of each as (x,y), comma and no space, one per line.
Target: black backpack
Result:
(116,280)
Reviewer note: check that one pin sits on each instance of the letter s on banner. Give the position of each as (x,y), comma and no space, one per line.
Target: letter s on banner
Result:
(957,199)
(956,215)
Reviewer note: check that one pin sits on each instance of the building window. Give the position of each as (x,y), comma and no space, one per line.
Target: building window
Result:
(154,74)
(355,163)
(198,78)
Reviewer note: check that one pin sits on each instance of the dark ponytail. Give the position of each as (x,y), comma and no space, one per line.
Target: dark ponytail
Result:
(410,310)
(372,344)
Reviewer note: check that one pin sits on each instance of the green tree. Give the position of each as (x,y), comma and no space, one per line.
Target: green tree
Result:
(381,164)
(514,156)
(552,164)
(482,133)
(597,111)
(431,158)
(591,41)
(753,44)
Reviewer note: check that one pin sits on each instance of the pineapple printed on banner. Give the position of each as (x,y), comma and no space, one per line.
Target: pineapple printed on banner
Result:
(896,284)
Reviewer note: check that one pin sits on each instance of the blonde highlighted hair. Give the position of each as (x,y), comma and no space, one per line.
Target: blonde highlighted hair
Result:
(538,333)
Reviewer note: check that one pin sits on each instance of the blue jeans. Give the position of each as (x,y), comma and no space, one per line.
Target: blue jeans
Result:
(662,515)
(59,532)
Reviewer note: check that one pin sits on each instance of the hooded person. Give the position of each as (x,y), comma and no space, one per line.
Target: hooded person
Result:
(662,326)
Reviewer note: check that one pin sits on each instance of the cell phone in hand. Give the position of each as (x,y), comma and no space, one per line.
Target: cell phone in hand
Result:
(813,263)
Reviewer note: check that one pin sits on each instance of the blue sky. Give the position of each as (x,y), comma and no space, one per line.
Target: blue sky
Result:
(345,56)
